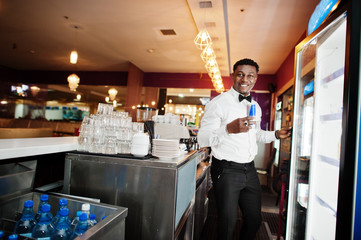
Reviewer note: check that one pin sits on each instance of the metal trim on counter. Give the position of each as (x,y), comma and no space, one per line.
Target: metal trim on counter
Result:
(152,161)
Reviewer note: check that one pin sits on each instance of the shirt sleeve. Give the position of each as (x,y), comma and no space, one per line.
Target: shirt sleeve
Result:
(264,136)
(212,130)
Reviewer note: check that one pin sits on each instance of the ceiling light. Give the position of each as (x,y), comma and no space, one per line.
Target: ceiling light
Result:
(78,97)
(191,90)
(133,107)
(74,53)
(34,90)
(73,57)
(180,95)
(153,103)
(211,63)
(106,99)
(112,93)
(170,101)
(114,103)
(73,80)
(208,53)
(4,102)
(203,39)
(213,71)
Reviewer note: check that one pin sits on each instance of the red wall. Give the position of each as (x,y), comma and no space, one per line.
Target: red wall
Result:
(195,80)
(286,71)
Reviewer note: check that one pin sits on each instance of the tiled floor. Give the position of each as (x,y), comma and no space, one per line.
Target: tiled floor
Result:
(269,226)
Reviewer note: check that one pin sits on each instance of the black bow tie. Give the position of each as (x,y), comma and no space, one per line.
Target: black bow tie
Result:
(241,98)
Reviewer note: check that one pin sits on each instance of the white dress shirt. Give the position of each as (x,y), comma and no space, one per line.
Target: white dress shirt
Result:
(240,147)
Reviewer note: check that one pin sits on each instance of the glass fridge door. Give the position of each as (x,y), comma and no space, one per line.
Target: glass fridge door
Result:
(316,138)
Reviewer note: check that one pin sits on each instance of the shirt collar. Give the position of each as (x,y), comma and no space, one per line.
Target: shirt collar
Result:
(234,93)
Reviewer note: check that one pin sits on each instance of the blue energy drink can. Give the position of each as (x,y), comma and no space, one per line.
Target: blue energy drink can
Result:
(252,110)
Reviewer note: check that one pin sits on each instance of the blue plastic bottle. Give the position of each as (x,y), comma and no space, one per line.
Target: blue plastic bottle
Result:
(27,222)
(62,205)
(44,227)
(62,230)
(44,198)
(13,237)
(92,221)
(75,220)
(81,227)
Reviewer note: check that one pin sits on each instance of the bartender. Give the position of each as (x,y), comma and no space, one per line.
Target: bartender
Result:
(232,134)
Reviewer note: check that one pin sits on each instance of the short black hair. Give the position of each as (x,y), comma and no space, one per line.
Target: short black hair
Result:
(246,61)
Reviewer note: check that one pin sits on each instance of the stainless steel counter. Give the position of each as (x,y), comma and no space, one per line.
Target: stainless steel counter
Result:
(159,193)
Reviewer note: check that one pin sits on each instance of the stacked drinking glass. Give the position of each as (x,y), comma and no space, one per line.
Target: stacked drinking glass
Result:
(107,132)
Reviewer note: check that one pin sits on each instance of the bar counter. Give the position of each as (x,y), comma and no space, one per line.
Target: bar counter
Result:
(159,193)
(25,147)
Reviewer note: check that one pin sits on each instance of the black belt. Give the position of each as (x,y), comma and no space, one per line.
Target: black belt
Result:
(229,164)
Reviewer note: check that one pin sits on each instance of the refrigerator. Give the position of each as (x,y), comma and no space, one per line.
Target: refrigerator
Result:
(323,200)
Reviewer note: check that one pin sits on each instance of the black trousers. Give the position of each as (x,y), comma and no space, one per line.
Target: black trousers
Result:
(236,185)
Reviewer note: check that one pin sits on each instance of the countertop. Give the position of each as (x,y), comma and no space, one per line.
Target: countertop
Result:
(24,147)
(152,161)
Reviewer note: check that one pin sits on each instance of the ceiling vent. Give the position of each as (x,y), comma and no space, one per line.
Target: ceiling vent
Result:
(168,32)
(210,24)
(205,4)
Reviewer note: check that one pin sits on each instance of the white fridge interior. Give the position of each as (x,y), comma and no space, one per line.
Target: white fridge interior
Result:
(316,137)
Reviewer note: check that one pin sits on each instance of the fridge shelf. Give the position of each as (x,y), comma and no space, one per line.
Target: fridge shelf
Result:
(331,117)
(326,205)
(333,76)
(331,161)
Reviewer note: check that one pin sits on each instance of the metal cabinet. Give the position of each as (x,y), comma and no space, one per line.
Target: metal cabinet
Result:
(159,193)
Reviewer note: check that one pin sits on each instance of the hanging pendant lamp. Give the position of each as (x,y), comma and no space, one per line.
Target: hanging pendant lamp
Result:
(73,57)
(73,80)
(202,39)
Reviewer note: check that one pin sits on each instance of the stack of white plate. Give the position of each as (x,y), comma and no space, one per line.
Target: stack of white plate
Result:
(165,148)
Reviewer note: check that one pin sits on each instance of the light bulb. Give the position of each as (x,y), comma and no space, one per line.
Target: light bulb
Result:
(73,57)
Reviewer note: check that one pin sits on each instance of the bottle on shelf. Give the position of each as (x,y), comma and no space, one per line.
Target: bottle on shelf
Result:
(13,237)
(27,222)
(92,221)
(81,227)
(62,229)
(62,205)
(85,208)
(44,198)
(44,227)
(75,220)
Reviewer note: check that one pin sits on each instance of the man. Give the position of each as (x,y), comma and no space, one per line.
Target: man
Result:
(233,136)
